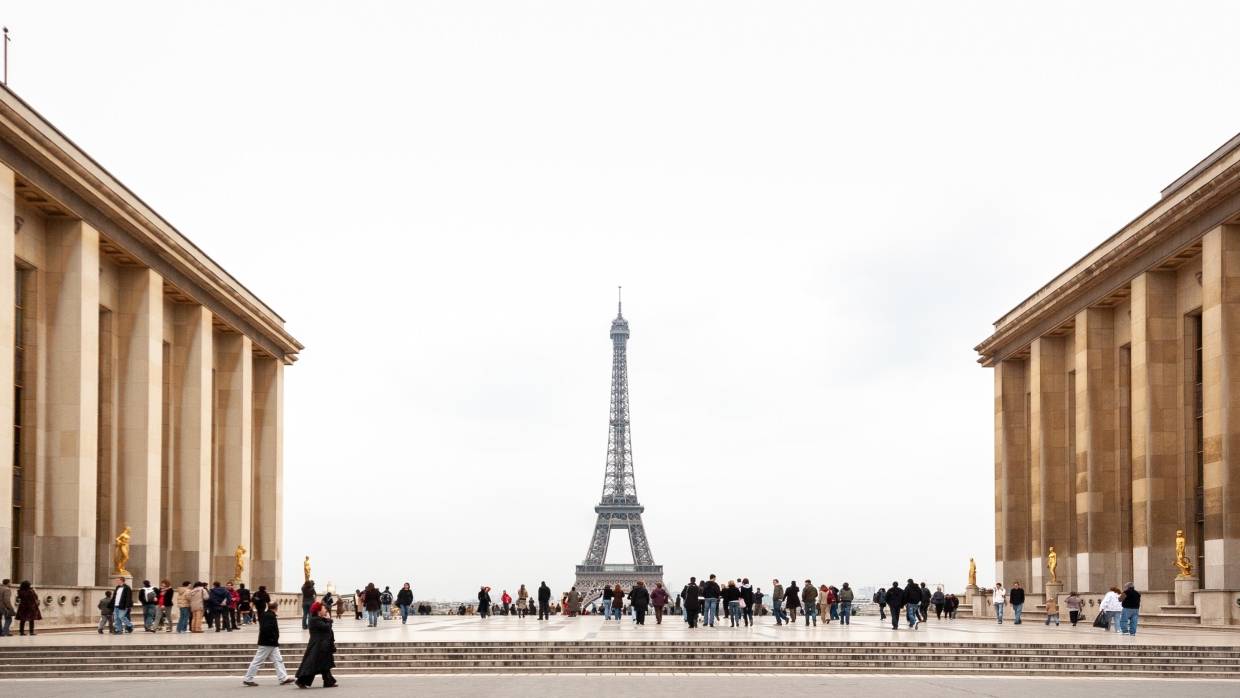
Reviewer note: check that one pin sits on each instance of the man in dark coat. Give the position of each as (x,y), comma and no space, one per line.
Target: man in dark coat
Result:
(268,648)
(320,650)
(484,602)
(307,600)
(639,598)
(912,604)
(880,598)
(122,595)
(895,599)
(689,596)
(924,603)
(792,600)
(544,602)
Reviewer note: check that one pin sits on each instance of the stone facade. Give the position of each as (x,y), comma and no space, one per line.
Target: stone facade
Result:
(144,384)
(1117,405)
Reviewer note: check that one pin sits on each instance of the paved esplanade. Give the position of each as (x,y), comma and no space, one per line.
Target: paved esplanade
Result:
(562,629)
(670,686)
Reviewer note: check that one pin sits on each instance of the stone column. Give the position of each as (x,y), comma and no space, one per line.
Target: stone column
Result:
(1097,434)
(1011,472)
(192,357)
(1220,317)
(8,281)
(140,318)
(67,541)
(1156,430)
(1048,384)
(268,472)
(234,476)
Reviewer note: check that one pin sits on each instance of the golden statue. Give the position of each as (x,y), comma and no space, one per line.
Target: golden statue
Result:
(1052,561)
(1181,560)
(240,555)
(121,555)
(972,573)
(306,567)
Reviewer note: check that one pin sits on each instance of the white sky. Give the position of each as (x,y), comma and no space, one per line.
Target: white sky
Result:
(816,210)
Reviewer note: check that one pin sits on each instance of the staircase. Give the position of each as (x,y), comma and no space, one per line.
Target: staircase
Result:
(990,659)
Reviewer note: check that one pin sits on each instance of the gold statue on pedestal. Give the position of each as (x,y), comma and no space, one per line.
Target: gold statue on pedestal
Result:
(120,555)
(240,555)
(305,566)
(972,573)
(1182,562)
(1052,561)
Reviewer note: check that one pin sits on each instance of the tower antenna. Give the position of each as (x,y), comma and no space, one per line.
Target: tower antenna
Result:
(6,56)
(619,300)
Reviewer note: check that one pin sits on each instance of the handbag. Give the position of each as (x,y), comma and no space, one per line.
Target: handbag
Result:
(742,602)
(1101,620)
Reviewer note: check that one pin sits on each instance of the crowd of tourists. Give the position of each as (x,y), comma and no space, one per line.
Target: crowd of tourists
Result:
(1118,609)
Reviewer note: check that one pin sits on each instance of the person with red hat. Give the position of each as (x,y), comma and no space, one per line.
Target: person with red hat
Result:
(320,651)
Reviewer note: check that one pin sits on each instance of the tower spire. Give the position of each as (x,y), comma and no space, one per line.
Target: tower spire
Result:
(619,301)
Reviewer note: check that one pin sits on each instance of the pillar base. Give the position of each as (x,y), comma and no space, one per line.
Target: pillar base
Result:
(1184,588)
(969,592)
(1053,590)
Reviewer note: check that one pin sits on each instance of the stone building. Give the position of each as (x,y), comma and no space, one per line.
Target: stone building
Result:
(145,383)
(1117,407)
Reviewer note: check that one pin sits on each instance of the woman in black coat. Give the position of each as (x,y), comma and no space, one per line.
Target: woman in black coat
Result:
(320,651)
(792,601)
(27,607)
(689,597)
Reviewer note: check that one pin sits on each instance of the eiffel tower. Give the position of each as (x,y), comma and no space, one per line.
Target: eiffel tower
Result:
(618,508)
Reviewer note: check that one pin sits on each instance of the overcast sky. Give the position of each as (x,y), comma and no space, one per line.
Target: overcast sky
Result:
(816,211)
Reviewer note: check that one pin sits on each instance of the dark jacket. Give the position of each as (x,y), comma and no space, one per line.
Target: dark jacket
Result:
(218,597)
(243,599)
(846,595)
(639,597)
(371,599)
(658,597)
(124,597)
(880,597)
(261,600)
(747,595)
(320,650)
(607,593)
(268,630)
(925,595)
(28,605)
(792,596)
(1131,598)
(895,598)
(711,590)
(167,597)
(404,597)
(307,593)
(544,594)
(690,598)
(1016,596)
(106,606)
(912,595)
(731,594)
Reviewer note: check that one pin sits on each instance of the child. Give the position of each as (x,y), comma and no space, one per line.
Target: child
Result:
(106,608)
(268,648)
(1052,610)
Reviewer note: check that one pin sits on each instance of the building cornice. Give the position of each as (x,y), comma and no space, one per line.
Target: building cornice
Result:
(41,154)
(1189,209)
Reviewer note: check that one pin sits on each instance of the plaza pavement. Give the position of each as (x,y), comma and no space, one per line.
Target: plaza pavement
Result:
(564,629)
(663,686)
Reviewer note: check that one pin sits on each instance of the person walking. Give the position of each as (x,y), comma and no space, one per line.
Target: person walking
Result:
(268,649)
(1016,597)
(732,602)
(1073,604)
(574,602)
(950,605)
(122,596)
(880,598)
(7,610)
(809,597)
(307,600)
(777,602)
(106,608)
(792,601)
(998,598)
(912,604)
(607,594)
(617,602)
(372,601)
(544,602)
(658,599)
(149,600)
(639,599)
(923,607)
(938,600)
(711,594)
(163,607)
(404,599)
(1113,608)
(747,602)
(690,599)
(28,608)
(183,610)
(197,606)
(484,601)
(895,599)
(846,597)
(1052,610)
(1130,601)
(262,599)
(385,602)
(523,600)
(319,658)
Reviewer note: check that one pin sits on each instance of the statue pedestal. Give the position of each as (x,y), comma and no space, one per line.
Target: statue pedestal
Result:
(1184,588)
(1053,591)
(969,592)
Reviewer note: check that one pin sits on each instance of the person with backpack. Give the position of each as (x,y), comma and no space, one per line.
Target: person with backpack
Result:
(385,600)
(880,598)
(150,601)
(846,600)
(268,648)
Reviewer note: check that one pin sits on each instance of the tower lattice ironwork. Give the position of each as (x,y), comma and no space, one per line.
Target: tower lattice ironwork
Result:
(619,508)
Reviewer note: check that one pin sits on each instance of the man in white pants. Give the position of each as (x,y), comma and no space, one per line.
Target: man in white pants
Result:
(268,648)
